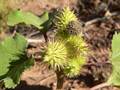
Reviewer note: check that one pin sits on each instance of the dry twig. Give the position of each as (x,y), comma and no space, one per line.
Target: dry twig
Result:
(101,19)
(100,86)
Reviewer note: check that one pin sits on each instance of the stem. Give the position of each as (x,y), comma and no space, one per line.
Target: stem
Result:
(60,80)
(34,40)
(100,86)
(1,85)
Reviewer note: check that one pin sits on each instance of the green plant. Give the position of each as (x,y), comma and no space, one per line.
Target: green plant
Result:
(17,16)
(10,16)
(66,54)
(13,60)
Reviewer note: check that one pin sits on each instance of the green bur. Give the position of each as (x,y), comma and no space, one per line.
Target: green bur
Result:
(67,52)
(56,55)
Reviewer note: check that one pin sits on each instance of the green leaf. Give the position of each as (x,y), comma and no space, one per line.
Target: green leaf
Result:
(15,45)
(28,18)
(12,78)
(10,49)
(13,60)
(115,76)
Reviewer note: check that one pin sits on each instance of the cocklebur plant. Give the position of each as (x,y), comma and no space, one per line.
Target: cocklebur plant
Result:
(66,21)
(10,15)
(67,53)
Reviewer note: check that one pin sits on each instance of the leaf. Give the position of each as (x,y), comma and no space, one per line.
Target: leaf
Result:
(12,78)
(16,17)
(10,48)
(13,60)
(115,76)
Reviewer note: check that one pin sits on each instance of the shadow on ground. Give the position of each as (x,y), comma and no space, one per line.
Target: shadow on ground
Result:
(25,86)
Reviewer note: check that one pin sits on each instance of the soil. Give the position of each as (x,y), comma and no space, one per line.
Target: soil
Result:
(98,36)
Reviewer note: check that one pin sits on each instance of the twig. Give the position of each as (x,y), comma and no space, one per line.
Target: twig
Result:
(101,19)
(100,86)
(34,40)
(97,64)
(47,78)
(32,34)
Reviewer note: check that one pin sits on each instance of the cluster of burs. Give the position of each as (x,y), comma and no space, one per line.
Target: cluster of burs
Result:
(67,52)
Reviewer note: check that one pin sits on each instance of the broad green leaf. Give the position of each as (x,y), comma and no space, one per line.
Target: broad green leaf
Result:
(13,60)
(28,18)
(115,76)
(10,49)
(12,78)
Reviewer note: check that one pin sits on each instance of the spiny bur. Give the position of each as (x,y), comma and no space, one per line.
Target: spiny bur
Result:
(74,66)
(67,53)
(56,55)
(63,18)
